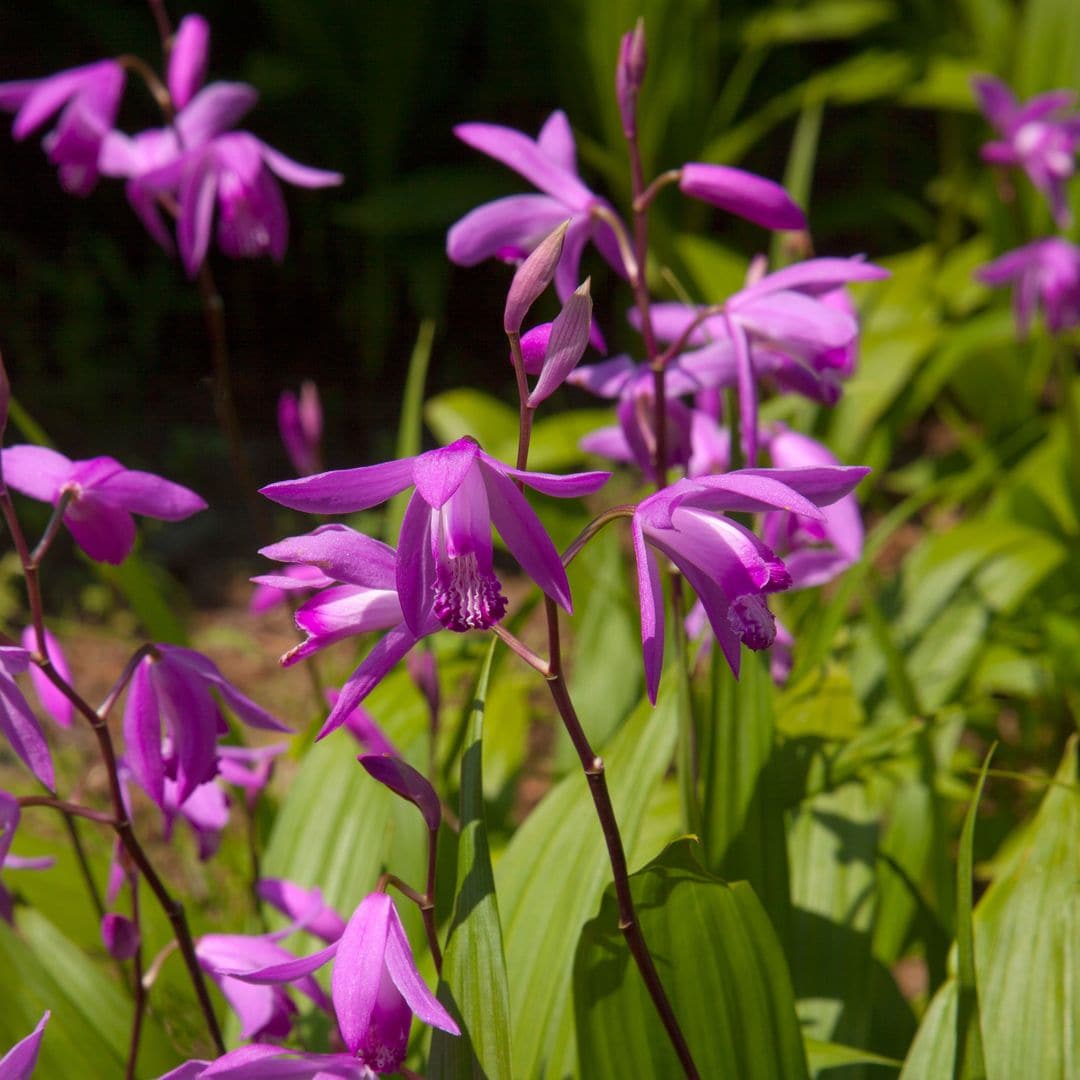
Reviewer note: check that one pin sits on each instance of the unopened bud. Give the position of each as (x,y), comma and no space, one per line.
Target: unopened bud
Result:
(188,58)
(764,202)
(629,75)
(534,345)
(402,779)
(120,935)
(569,336)
(533,276)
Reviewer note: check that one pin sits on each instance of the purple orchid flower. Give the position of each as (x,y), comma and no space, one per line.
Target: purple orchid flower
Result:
(188,59)
(248,768)
(300,422)
(265,1011)
(173,688)
(102,496)
(375,986)
(443,575)
(781,321)
(212,111)
(9,822)
(729,568)
(56,704)
(236,173)
(206,811)
(18,723)
(1044,274)
(21,1060)
(90,98)
(1041,137)
(512,227)
(261,1061)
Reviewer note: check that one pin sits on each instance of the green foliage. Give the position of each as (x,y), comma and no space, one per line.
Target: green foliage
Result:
(721,965)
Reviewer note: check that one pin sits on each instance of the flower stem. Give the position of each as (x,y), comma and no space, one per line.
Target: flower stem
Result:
(69,810)
(594,526)
(138,988)
(51,529)
(427,909)
(593,767)
(525,410)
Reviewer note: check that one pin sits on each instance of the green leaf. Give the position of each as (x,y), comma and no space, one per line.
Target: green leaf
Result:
(90,1027)
(826,1055)
(1027,949)
(969,1062)
(722,968)
(743,804)
(555,439)
(473,985)
(147,589)
(493,424)
(550,880)
(820,21)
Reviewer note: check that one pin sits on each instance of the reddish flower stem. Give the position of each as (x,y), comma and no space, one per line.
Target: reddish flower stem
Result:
(593,767)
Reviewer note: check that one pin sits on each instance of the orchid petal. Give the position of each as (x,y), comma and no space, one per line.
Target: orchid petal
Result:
(569,486)
(439,473)
(341,553)
(527,159)
(415,576)
(341,612)
(383,656)
(214,110)
(399,962)
(198,193)
(53,701)
(21,1060)
(284,971)
(516,222)
(188,58)
(343,491)
(149,495)
(35,471)
(651,601)
(762,201)
(142,734)
(355,979)
(556,140)
(292,172)
(24,734)
(521,530)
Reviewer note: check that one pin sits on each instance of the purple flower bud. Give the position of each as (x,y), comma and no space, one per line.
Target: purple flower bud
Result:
(121,936)
(629,75)
(534,345)
(300,421)
(532,277)
(566,345)
(187,60)
(404,780)
(752,197)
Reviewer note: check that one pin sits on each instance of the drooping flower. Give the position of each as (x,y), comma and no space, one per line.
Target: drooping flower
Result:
(1041,137)
(1044,275)
(56,704)
(173,688)
(443,573)
(510,228)
(102,496)
(300,422)
(17,722)
(375,986)
(89,97)
(729,568)
(9,822)
(21,1060)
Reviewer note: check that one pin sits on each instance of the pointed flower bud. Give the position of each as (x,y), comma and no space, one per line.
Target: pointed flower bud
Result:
(402,779)
(569,336)
(187,59)
(745,194)
(629,75)
(533,276)
(120,935)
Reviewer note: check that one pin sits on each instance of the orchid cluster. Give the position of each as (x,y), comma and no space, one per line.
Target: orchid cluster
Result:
(194,166)
(1040,137)
(734,508)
